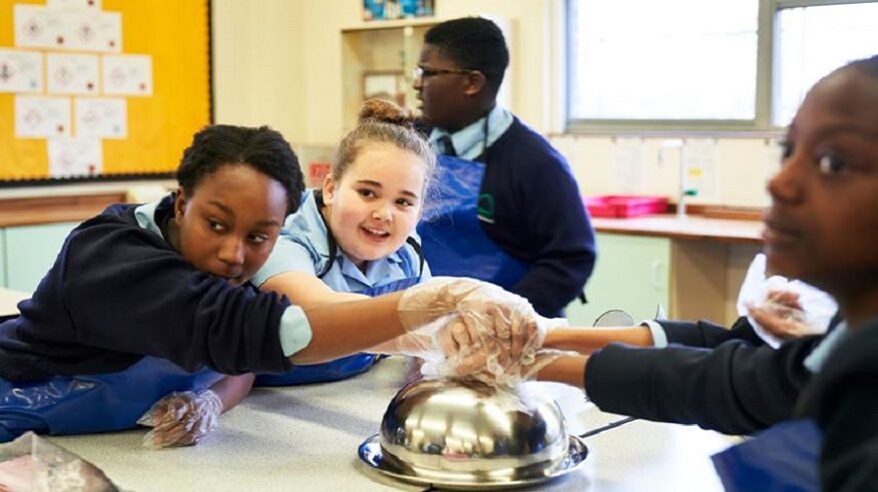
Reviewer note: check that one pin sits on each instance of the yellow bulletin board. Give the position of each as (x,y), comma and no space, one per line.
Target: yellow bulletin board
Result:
(175,35)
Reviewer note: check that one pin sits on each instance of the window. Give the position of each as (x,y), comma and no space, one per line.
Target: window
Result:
(706,64)
(811,42)
(643,59)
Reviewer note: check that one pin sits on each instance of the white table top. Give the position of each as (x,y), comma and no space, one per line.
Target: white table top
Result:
(306,438)
(9,300)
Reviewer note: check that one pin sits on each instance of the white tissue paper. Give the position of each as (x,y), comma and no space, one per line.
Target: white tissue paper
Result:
(817,305)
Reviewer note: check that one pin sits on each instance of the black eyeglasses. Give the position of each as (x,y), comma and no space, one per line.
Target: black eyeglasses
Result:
(419,73)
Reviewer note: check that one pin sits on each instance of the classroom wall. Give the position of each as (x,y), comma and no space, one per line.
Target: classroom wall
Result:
(259,64)
(743,165)
(277,62)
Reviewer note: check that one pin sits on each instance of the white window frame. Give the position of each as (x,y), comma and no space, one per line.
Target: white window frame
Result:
(760,125)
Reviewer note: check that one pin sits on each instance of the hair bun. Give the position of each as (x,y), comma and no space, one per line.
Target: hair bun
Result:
(385,111)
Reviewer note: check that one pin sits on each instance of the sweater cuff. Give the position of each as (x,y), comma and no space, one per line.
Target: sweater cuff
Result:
(295,330)
(659,337)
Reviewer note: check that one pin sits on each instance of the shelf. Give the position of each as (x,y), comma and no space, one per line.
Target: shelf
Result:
(380,49)
(392,24)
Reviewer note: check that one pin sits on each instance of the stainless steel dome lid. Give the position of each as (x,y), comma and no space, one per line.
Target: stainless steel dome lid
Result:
(458,431)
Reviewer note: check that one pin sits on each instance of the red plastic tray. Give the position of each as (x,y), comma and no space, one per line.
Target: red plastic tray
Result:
(622,206)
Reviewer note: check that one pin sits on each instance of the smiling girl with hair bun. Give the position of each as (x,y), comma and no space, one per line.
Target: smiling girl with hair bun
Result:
(355,236)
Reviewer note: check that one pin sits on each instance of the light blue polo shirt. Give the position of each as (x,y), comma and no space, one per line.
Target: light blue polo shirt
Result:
(469,142)
(303,246)
(295,330)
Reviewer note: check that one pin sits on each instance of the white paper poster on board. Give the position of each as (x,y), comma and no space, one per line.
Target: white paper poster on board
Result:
(37,26)
(41,117)
(95,31)
(74,4)
(702,161)
(21,71)
(72,74)
(127,75)
(101,117)
(75,157)
(629,166)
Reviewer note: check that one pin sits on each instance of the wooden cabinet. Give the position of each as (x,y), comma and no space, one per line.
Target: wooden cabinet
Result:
(632,273)
(692,278)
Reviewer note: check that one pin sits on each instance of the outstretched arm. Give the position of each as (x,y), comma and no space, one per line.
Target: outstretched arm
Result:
(232,389)
(340,329)
(587,340)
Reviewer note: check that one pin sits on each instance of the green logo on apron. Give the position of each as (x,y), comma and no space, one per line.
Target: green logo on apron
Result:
(485,209)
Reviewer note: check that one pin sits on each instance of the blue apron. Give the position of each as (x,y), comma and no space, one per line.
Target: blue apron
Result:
(784,458)
(97,403)
(454,242)
(342,368)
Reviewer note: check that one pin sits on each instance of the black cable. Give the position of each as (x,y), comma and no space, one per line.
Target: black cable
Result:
(611,425)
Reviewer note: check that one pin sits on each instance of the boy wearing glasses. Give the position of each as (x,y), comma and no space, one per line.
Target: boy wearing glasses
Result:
(510,211)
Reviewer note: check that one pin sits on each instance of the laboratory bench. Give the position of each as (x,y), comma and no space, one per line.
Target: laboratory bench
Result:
(692,227)
(306,438)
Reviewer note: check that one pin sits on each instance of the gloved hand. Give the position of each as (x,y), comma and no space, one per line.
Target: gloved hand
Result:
(496,358)
(444,338)
(181,418)
(471,320)
(440,296)
(457,350)
(483,308)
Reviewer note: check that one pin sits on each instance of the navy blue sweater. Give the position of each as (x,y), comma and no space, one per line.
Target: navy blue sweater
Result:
(539,217)
(118,292)
(724,380)
(843,399)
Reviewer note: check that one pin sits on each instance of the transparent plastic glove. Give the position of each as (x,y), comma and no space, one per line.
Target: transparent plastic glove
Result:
(447,337)
(440,296)
(451,347)
(181,418)
(496,357)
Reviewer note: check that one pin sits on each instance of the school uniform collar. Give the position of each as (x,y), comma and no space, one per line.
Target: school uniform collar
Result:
(375,270)
(469,141)
(145,214)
